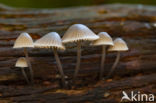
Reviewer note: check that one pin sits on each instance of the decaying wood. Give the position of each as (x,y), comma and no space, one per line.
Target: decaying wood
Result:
(95,94)
(136,70)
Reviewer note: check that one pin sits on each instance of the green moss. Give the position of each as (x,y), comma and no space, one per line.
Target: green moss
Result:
(68,3)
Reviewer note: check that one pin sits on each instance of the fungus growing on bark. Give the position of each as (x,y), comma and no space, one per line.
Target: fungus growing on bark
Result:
(78,33)
(22,63)
(25,41)
(52,40)
(119,46)
(103,41)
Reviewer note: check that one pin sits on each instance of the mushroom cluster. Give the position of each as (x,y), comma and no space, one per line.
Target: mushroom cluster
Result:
(77,33)
(25,41)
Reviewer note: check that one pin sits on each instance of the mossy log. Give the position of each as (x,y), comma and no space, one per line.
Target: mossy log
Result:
(134,24)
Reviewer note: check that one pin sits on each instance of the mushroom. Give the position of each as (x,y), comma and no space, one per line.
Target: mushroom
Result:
(103,41)
(25,41)
(78,33)
(119,45)
(21,63)
(53,40)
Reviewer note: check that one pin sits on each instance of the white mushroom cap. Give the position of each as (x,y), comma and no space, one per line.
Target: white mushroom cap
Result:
(104,39)
(119,45)
(50,40)
(79,32)
(21,62)
(24,40)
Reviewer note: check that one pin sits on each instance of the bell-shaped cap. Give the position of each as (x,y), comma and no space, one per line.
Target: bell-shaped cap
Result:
(50,40)
(21,62)
(119,45)
(104,39)
(24,40)
(79,32)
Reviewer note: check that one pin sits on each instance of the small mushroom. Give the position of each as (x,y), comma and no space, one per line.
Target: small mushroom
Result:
(25,41)
(52,40)
(103,41)
(78,33)
(22,63)
(119,45)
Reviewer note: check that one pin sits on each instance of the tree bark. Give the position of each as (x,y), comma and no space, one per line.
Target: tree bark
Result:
(135,71)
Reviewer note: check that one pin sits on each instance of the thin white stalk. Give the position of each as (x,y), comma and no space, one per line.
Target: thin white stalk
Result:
(25,76)
(102,61)
(59,67)
(29,64)
(78,59)
(114,65)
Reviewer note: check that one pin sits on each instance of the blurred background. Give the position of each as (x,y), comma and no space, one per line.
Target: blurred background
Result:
(68,3)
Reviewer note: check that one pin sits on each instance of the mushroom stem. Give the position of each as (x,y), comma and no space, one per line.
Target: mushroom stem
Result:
(114,65)
(25,76)
(59,67)
(78,59)
(102,61)
(29,64)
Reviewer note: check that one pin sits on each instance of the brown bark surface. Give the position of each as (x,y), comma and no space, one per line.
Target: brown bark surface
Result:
(136,70)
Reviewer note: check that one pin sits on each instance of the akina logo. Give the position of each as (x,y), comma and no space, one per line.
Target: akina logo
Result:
(137,97)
